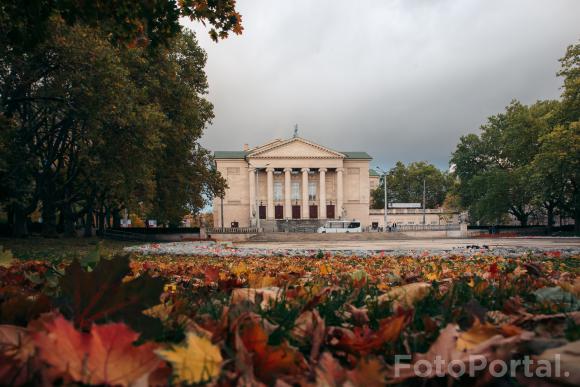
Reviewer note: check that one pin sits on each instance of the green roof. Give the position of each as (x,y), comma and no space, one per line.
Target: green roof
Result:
(242,154)
(357,155)
(372,172)
(229,154)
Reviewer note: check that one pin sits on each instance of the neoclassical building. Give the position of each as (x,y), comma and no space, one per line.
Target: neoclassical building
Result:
(293,179)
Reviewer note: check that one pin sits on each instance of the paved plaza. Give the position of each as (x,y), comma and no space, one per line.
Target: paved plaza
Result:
(534,243)
(401,247)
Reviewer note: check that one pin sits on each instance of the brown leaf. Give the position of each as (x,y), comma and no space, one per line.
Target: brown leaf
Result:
(310,327)
(368,373)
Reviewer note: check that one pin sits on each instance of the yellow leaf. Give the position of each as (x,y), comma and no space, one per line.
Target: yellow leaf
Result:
(198,361)
(260,281)
(432,276)
(406,295)
(6,258)
(476,335)
(240,268)
(325,269)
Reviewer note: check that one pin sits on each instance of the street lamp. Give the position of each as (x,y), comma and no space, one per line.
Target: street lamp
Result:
(385,185)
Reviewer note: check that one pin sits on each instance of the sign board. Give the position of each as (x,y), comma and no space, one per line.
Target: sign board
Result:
(152,223)
(125,222)
(405,205)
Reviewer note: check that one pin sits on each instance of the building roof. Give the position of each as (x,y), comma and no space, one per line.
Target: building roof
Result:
(229,154)
(372,172)
(357,155)
(242,154)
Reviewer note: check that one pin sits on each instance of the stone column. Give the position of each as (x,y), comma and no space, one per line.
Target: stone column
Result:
(305,209)
(287,193)
(270,197)
(339,193)
(322,194)
(252,179)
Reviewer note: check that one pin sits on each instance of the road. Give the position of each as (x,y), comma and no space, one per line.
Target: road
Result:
(544,243)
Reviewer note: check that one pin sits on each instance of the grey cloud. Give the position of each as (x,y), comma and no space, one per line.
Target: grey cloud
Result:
(400,79)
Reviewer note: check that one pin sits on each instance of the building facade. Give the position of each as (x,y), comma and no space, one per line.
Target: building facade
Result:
(293,179)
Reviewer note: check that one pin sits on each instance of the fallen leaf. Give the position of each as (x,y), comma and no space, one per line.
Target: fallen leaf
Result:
(369,372)
(569,363)
(269,362)
(197,361)
(407,295)
(106,355)
(263,296)
(101,295)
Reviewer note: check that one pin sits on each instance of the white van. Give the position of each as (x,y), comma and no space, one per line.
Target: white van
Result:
(337,226)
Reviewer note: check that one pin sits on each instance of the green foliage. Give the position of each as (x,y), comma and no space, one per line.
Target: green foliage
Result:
(405,185)
(127,22)
(93,127)
(525,160)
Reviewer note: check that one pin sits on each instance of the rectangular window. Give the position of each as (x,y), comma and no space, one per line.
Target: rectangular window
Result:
(233,171)
(295,190)
(312,191)
(277,191)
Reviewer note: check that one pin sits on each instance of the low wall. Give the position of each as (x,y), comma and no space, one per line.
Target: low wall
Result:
(235,237)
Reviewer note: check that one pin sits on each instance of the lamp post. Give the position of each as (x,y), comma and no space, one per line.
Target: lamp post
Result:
(424,202)
(385,186)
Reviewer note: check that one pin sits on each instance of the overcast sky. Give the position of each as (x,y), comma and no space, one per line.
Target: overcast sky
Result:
(399,79)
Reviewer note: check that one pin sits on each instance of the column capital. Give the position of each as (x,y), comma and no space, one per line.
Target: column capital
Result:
(269,169)
(252,169)
(287,169)
(340,169)
(305,170)
(322,169)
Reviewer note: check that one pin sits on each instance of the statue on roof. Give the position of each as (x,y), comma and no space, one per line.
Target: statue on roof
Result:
(295,131)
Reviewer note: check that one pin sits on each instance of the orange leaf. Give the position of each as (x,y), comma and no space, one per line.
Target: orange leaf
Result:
(269,361)
(106,355)
(364,340)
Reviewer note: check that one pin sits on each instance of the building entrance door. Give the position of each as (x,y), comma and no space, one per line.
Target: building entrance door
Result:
(279,212)
(330,211)
(262,212)
(313,211)
(295,212)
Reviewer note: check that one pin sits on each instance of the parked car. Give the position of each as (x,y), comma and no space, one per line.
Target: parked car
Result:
(336,226)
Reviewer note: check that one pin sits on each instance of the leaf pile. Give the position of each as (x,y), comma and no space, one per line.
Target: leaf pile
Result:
(308,321)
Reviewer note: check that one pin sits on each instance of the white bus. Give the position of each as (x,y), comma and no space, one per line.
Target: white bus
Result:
(336,226)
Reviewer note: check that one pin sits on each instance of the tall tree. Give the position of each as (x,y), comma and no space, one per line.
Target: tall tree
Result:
(81,130)
(494,168)
(405,184)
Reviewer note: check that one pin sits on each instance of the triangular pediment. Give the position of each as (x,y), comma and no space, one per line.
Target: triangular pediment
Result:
(294,148)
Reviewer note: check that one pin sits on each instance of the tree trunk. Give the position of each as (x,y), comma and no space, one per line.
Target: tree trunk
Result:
(551,221)
(89,222)
(101,221)
(107,217)
(69,220)
(48,220)
(116,218)
(20,222)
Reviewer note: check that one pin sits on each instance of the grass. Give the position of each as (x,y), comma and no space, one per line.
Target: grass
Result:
(60,248)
